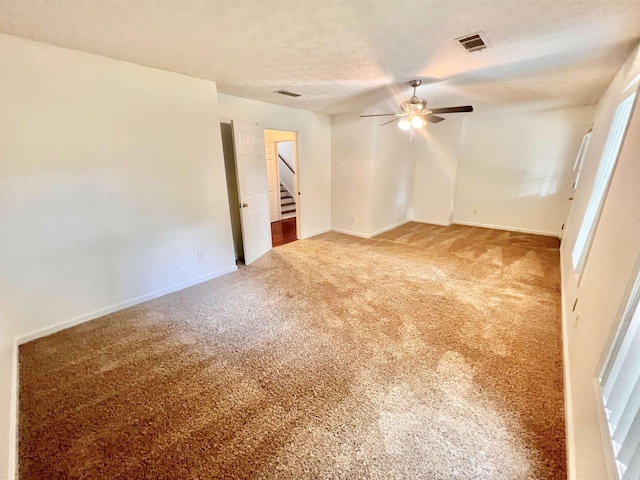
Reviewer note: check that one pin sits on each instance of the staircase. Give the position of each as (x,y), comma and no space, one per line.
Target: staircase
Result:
(287,203)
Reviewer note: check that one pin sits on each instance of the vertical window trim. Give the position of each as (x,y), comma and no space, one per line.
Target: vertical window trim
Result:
(625,315)
(579,266)
(630,303)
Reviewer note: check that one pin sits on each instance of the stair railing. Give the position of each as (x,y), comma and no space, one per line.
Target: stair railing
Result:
(287,164)
(294,197)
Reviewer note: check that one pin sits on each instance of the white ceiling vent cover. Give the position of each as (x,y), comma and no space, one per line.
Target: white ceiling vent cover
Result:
(474,42)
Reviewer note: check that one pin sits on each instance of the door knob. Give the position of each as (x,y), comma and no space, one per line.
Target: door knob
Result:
(245,205)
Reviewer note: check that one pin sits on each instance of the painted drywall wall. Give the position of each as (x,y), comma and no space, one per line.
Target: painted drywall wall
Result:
(437,152)
(372,175)
(351,174)
(515,170)
(392,173)
(286,150)
(607,272)
(314,152)
(111,180)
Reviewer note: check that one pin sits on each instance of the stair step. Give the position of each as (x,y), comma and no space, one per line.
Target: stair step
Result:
(287,203)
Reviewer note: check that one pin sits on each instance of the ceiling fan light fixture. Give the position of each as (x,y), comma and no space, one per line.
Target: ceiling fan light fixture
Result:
(415,113)
(418,122)
(404,124)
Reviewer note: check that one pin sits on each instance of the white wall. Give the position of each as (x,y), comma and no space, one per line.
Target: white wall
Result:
(437,152)
(286,150)
(515,170)
(607,272)
(372,175)
(393,167)
(314,152)
(351,173)
(111,179)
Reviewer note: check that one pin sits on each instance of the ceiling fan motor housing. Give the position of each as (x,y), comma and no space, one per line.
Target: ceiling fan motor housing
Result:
(414,105)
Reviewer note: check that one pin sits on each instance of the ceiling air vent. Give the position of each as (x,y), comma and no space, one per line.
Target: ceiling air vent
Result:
(473,43)
(288,94)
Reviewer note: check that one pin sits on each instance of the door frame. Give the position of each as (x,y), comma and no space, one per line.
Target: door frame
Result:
(275,172)
(296,166)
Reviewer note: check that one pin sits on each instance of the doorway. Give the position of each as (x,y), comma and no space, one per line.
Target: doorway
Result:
(282,167)
(282,230)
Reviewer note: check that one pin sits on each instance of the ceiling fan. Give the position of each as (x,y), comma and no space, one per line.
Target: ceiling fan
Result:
(415,113)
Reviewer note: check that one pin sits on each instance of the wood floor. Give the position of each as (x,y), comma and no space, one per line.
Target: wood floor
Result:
(283,232)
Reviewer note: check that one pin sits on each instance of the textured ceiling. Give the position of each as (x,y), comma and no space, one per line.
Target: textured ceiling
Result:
(349,55)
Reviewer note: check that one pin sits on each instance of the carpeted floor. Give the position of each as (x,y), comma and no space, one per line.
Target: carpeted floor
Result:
(425,353)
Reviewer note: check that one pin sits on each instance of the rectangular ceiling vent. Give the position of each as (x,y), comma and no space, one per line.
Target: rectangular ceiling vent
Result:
(288,94)
(474,42)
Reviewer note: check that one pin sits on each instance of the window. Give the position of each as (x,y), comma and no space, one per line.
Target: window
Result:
(603,178)
(620,383)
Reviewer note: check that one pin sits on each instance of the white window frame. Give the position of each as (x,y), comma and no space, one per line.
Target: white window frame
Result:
(604,174)
(627,327)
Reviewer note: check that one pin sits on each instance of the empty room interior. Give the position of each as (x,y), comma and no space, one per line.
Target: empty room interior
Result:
(319,240)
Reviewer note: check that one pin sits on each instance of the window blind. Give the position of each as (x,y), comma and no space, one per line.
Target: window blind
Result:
(620,382)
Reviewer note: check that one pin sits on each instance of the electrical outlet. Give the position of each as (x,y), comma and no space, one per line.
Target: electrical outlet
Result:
(475,211)
(200,256)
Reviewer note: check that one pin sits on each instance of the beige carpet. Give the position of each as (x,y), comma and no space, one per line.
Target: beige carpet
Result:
(425,353)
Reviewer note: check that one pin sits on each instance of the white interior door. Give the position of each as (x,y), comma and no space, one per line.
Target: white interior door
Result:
(273,181)
(251,166)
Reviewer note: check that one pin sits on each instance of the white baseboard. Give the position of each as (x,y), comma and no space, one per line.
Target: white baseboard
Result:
(119,306)
(15,378)
(430,222)
(349,232)
(568,401)
(509,229)
(370,235)
(319,232)
(13,415)
(386,229)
